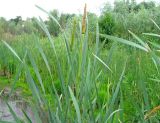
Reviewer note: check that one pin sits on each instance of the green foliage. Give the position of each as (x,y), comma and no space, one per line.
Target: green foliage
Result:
(52,26)
(121,7)
(70,79)
(90,91)
(130,16)
(107,24)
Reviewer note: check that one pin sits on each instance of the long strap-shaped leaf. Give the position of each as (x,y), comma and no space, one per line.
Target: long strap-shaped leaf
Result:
(121,40)
(75,105)
(152,34)
(102,62)
(36,70)
(115,95)
(14,114)
(12,50)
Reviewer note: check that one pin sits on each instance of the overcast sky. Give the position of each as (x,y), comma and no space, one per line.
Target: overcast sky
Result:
(26,8)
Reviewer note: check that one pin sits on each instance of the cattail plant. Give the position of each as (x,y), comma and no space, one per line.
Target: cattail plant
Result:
(71,82)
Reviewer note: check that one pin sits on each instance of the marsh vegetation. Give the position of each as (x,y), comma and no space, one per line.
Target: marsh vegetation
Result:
(84,68)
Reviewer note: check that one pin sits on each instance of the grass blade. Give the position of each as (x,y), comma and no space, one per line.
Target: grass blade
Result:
(125,42)
(14,114)
(152,34)
(75,105)
(118,110)
(139,40)
(36,70)
(155,24)
(32,85)
(115,95)
(27,117)
(102,62)
(12,50)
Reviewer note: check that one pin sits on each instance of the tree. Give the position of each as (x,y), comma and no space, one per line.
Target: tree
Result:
(11,27)
(106,23)
(3,26)
(28,26)
(107,8)
(92,21)
(64,18)
(16,20)
(145,5)
(121,7)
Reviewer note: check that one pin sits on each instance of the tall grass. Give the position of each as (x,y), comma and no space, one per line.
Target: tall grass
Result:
(72,82)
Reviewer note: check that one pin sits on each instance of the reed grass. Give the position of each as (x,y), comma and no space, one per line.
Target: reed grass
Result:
(70,82)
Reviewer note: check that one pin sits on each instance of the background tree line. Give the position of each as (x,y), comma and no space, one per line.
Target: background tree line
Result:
(114,20)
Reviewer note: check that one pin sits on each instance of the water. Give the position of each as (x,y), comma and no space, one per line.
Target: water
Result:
(17,105)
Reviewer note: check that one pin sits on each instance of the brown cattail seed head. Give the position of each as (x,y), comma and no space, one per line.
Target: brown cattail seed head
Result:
(84,19)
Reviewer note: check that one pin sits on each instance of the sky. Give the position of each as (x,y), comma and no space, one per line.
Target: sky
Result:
(26,8)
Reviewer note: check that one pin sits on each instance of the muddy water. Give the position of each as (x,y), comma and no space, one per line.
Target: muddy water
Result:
(17,106)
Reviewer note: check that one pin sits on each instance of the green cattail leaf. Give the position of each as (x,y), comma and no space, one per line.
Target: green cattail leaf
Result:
(36,70)
(75,105)
(102,62)
(125,42)
(115,95)
(152,34)
(27,117)
(14,114)
(12,50)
